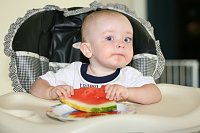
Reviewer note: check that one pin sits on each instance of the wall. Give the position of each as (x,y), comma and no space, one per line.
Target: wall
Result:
(10,10)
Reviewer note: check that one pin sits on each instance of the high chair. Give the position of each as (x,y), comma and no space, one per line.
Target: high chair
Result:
(48,39)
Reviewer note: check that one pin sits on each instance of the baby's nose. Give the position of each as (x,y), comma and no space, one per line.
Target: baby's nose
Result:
(120,45)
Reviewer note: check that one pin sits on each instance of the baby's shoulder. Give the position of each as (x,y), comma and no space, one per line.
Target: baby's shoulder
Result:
(129,69)
(74,64)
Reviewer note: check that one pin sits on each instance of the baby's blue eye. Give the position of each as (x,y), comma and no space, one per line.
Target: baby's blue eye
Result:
(109,38)
(128,39)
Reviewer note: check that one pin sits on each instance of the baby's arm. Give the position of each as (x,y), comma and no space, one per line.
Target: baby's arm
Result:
(41,88)
(146,94)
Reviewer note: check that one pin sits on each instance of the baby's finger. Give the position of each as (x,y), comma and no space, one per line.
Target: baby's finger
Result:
(112,93)
(118,94)
(118,99)
(65,92)
(106,88)
(115,98)
(71,90)
(68,92)
(58,92)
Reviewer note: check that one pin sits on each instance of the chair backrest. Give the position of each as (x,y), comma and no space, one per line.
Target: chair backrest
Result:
(48,38)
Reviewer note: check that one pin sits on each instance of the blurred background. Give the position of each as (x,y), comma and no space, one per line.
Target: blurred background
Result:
(176,25)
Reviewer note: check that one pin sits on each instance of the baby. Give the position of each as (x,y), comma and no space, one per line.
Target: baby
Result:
(107,41)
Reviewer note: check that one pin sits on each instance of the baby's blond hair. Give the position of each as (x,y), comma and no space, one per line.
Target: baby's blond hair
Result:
(88,20)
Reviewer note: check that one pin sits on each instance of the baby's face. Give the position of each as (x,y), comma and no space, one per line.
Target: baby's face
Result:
(111,41)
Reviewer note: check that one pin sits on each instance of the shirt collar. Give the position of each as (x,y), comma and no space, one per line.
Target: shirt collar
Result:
(95,79)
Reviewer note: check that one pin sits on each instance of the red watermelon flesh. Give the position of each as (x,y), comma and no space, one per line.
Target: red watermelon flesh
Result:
(90,99)
(81,114)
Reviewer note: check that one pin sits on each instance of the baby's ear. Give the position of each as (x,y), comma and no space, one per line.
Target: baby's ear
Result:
(86,49)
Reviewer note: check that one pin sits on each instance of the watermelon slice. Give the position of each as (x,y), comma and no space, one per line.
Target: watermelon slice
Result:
(90,99)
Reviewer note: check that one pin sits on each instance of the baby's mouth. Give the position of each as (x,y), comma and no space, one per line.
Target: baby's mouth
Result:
(118,54)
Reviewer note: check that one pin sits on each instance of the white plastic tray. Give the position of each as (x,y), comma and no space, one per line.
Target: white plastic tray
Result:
(179,111)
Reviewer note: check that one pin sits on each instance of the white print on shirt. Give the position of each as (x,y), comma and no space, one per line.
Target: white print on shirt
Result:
(89,85)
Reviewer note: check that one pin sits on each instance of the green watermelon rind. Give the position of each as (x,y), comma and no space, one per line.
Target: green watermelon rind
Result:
(104,109)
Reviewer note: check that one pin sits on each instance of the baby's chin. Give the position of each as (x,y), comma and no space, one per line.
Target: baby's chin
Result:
(121,62)
(119,65)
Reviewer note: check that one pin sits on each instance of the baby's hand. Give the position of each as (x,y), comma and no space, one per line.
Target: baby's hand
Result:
(116,92)
(61,91)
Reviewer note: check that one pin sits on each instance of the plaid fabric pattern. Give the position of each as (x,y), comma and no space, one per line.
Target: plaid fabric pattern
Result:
(28,68)
(145,65)
(149,65)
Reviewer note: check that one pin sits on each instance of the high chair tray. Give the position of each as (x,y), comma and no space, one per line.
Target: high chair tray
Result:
(179,111)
